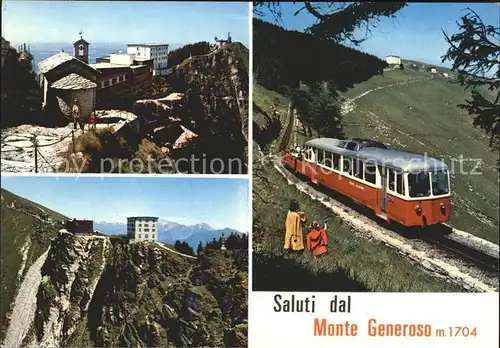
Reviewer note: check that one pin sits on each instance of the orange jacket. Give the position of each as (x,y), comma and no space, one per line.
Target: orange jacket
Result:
(317,242)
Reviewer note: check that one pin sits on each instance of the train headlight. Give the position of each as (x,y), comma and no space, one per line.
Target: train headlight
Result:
(443,208)
(418,210)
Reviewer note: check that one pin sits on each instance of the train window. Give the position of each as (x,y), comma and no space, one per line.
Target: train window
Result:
(370,172)
(336,161)
(400,187)
(439,183)
(351,145)
(358,168)
(347,165)
(328,159)
(419,185)
(321,157)
(315,158)
(391,174)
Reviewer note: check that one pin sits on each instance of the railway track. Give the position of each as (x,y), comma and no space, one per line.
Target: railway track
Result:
(486,263)
(435,249)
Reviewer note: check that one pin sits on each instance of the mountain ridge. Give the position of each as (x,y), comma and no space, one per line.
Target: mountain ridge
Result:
(115,293)
(170,232)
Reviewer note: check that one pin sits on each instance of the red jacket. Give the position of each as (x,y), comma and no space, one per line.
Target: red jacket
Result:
(317,240)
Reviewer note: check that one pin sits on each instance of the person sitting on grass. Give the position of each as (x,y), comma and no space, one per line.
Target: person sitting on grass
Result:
(317,239)
(294,240)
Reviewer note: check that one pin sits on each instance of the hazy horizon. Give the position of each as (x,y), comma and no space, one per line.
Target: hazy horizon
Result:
(218,202)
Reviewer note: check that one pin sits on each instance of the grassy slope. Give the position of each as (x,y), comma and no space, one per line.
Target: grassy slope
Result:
(352,263)
(423,117)
(16,229)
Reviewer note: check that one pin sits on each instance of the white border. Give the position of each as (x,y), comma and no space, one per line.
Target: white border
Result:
(250,167)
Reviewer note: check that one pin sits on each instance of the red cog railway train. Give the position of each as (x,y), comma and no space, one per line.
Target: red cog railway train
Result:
(413,190)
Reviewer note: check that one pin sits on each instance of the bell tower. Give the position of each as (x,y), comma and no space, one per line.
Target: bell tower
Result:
(81,49)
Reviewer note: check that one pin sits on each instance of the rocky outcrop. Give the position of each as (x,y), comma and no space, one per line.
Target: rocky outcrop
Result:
(90,292)
(215,87)
(70,276)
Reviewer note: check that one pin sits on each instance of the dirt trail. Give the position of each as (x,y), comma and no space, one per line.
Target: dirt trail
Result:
(430,259)
(349,105)
(23,311)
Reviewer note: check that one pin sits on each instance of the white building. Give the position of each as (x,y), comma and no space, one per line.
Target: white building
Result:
(157,52)
(393,60)
(142,229)
(121,58)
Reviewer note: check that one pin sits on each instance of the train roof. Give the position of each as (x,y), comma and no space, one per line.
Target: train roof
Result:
(375,151)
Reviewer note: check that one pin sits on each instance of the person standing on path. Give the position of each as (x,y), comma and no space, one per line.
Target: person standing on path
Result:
(75,110)
(294,240)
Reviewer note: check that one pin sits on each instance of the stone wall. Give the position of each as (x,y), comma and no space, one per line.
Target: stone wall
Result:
(86,99)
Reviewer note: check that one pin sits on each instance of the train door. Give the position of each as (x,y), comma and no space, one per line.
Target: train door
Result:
(314,172)
(383,189)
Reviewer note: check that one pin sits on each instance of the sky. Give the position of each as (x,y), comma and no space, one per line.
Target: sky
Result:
(124,21)
(414,34)
(220,202)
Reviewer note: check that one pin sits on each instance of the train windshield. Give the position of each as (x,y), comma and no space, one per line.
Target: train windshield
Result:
(440,183)
(419,184)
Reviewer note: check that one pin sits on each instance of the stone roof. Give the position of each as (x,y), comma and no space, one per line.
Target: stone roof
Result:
(54,61)
(73,81)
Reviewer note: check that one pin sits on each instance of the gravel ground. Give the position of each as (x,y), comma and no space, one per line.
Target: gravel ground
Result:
(17,149)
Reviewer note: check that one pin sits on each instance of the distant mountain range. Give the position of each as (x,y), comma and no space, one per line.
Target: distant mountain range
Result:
(169,232)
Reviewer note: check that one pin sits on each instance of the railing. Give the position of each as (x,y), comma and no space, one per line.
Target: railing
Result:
(36,147)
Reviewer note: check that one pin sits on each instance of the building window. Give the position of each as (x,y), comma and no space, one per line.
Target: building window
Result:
(81,50)
(138,236)
(146,236)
